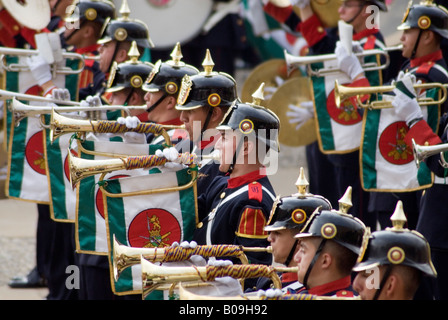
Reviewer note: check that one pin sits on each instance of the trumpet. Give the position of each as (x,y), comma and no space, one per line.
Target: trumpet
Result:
(21,110)
(293,61)
(81,168)
(423,152)
(4,94)
(61,125)
(153,276)
(342,92)
(124,256)
(17,67)
(184,294)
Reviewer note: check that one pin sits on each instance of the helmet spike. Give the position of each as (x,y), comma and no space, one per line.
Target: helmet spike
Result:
(133,53)
(176,54)
(208,63)
(125,11)
(302,182)
(345,203)
(258,95)
(398,218)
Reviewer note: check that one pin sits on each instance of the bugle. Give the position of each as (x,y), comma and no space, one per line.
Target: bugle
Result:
(21,110)
(423,152)
(4,94)
(60,125)
(184,294)
(293,61)
(342,93)
(81,168)
(124,256)
(60,69)
(153,276)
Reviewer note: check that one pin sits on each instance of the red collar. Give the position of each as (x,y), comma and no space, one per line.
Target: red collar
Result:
(244,179)
(88,49)
(331,286)
(432,57)
(172,122)
(209,143)
(289,277)
(365,33)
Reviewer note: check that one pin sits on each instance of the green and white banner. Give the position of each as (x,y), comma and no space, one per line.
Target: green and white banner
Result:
(387,162)
(149,212)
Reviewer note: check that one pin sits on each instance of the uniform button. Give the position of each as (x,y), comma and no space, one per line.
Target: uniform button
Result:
(222,195)
(200,224)
(320,29)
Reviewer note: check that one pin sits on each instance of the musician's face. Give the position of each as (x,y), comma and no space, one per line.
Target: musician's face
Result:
(408,40)
(360,285)
(106,55)
(226,145)
(282,242)
(353,12)
(304,256)
(194,120)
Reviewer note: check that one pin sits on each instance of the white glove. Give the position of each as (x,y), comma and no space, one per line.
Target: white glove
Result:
(60,94)
(131,122)
(349,64)
(300,115)
(405,100)
(39,68)
(212,261)
(270,293)
(300,3)
(170,154)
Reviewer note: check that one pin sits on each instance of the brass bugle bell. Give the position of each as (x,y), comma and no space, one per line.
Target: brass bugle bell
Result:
(60,125)
(292,61)
(81,168)
(17,67)
(154,276)
(423,152)
(342,92)
(124,256)
(21,110)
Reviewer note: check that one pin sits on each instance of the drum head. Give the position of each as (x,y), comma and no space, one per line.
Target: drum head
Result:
(172,21)
(33,14)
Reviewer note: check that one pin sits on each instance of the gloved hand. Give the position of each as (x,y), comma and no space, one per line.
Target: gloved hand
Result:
(302,114)
(300,3)
(39,68)
(270,90)
(91,101)
(171,154)
(270,293)
(405,100)
(131,122)
(185,244)
(212,261)
(348,64)
(60,94)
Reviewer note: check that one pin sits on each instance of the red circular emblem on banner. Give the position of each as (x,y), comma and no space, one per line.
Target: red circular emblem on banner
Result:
(392,146)
(66,168)
(99,196)
(34,153)
(346,114)
(154,228)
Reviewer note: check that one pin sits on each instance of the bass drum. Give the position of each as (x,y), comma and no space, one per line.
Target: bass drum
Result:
(171,21)
(35,14)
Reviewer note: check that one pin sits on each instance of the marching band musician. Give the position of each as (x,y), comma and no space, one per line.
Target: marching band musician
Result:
(162,89)
(399,256)
(203,101)
(236,206)
(288,216)
(355,13)
(423,28)
(329,247)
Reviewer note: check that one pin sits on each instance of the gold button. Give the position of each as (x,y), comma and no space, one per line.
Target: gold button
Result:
(200,224)
(320,29)
(223,195)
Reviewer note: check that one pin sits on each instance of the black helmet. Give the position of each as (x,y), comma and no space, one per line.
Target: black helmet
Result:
(340,227)
(167,76)
(252,118)
(90,10)
(207,88)
(126,29)
(381,4)
(292,212)
(397,246)
(129,74)
(426,16)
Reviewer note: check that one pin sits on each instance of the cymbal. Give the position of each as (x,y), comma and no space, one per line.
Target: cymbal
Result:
(266,72)
(293,91)
(35,14)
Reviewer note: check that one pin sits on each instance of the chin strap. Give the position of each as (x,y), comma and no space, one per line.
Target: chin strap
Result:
(291,253)
(151,108)
(383,281)
(237,151)
(414,51)
(356,15)
(310,267)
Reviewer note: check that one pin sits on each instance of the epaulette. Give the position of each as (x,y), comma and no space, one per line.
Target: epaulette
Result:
(255,191)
